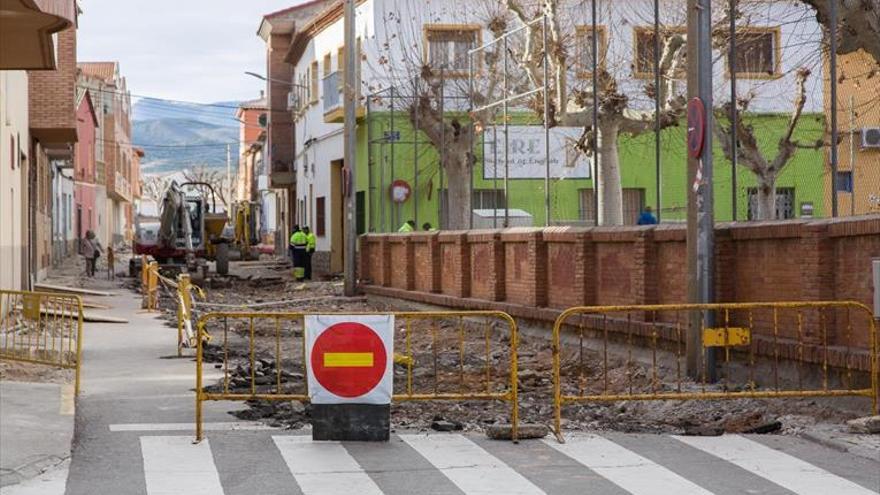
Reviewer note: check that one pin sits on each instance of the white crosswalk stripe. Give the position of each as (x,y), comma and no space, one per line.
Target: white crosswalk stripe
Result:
(324,468)
(472,469)
(632,472)
(174,465)
(778,467)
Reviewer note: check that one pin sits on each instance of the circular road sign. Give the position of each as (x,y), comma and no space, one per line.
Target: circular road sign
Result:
(696,132)
(400,191)
(349,359)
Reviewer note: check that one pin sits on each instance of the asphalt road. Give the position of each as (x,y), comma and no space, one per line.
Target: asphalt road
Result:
(134,435)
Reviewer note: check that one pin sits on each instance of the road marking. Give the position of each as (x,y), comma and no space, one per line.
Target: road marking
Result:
(625,468)
(324,468)
(174,465)
(218,426)
(780,468)
(348,360)
(471,468)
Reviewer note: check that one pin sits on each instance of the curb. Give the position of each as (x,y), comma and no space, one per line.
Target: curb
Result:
(836,445)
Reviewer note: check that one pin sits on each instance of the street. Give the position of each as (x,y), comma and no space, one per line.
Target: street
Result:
(134,435)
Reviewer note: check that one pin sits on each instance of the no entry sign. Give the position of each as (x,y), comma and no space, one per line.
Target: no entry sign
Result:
(350,358)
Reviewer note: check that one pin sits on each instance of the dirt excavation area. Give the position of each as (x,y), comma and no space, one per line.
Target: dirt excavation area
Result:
(467,356)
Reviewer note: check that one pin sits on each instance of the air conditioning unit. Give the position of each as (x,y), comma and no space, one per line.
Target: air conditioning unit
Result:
(871,137)
(292,101)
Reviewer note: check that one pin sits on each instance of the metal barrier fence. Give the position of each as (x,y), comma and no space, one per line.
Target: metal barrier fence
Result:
(150,284)
(42,328)
(753,350)
(463,368)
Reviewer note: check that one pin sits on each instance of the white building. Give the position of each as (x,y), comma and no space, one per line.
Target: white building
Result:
(397,36)
(14,139)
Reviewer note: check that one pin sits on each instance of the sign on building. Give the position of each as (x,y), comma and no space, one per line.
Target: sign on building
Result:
(350,358)
(526,152)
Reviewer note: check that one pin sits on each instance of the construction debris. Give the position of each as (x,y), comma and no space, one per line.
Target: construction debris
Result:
(71,290)
(869,425)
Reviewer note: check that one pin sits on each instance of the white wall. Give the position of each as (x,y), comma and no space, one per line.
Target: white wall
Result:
(13,127)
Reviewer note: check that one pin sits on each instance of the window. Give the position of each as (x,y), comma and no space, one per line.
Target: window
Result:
(313,87)
(633,204)
(447,45)
(328,65)
(340,67)
(584,49)
(784,203)
(757,53)
(361,206)
(643,65)
(320,217)
(845,181)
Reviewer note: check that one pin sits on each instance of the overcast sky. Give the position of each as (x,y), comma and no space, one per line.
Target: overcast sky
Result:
(194,50)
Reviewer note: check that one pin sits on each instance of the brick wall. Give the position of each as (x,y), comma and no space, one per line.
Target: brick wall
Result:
(51,99)
(533,273)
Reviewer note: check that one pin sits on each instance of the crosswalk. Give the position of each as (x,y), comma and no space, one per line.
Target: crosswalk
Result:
(464,464)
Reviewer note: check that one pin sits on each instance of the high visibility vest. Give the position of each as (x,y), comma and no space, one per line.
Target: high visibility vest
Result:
(298,239)
(312,241)
(406,227)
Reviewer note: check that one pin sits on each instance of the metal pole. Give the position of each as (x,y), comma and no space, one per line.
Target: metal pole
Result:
(444,200)
(833,75)
(228,177)
(470,170)
(506,141)
(350,148)
(852,155)
(370,187)
(547,125)
(656,106)
(393,210)
(734,140)
(416,167)
(595,146)
(495,176)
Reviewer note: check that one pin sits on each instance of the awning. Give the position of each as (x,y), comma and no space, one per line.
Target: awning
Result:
(26,29)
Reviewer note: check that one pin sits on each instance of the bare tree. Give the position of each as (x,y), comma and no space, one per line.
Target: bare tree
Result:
(858,27)
(215,178)
(749,154)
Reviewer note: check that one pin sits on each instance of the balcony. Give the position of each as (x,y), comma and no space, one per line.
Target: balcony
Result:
(120,190)
(334,113)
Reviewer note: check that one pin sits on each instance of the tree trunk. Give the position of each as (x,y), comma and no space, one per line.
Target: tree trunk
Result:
(458,184)
(766,207)
(610,190)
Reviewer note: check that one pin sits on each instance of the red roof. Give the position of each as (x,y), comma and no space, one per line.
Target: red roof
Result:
(102,70)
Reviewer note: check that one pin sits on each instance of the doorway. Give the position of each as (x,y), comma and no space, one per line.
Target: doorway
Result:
(337,217)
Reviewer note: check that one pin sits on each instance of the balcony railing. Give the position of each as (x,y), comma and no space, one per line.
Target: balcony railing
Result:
(332,92)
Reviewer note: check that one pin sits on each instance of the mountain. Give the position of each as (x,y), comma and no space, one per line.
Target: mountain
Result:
(173,144)
(179,135)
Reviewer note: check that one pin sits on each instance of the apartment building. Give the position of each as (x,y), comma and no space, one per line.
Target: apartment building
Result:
(37,49)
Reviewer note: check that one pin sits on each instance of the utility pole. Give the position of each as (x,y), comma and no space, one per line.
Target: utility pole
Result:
(700,220)
(350,105)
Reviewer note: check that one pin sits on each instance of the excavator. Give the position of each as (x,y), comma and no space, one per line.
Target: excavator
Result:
(189,231)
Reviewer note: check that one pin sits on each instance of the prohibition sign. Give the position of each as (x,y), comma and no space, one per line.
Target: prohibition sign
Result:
(696,132)
(349,359)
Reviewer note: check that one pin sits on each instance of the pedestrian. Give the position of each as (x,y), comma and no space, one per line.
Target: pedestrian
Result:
(298,244)
(311,244)
(409,226)
(91,249)
(427,227)
(647,217)
(111,264)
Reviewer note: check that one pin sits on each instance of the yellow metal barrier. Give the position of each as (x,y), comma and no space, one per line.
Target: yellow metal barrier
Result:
(150,284)
(281,336)
(185,335)
(42,328)
(629,367)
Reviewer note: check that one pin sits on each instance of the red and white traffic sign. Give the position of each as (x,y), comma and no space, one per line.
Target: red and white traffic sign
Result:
(350,358)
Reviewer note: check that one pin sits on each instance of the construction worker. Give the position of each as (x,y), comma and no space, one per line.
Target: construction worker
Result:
(290,243)
(298,243)
(409,226)
(428,228)
(311,244)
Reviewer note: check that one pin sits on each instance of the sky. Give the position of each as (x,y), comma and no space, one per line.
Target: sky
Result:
(192,50)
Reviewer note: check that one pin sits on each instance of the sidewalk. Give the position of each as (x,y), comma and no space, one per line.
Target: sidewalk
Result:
(36,424)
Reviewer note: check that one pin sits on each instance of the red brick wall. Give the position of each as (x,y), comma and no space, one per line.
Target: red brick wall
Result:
(529,271)
(51,98)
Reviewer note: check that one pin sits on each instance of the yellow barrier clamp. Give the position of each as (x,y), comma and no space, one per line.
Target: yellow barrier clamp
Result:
(726,337)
